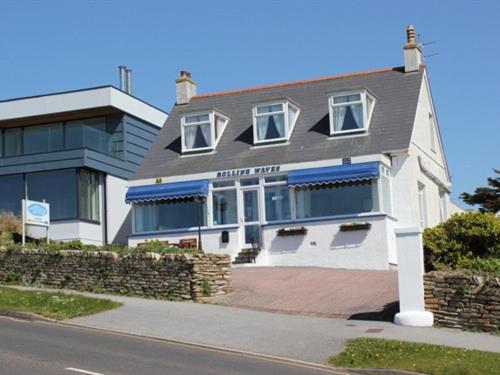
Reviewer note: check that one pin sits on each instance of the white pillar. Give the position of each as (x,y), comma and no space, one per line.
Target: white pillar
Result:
(411,279)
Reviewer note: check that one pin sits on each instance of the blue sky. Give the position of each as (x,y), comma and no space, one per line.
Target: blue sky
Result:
(49,46)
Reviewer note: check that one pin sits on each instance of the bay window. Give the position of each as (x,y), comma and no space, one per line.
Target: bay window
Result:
(202,131)
(274,121)
(350,112)
(171,214)
(336,199)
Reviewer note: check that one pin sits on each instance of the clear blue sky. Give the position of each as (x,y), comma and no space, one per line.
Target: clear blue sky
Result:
(49,46)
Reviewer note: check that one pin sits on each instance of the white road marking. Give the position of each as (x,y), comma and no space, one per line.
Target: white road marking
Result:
(82,371)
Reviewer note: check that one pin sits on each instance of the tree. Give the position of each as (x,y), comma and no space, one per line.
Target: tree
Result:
(488,198)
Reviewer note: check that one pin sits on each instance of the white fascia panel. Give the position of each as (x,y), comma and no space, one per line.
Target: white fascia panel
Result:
(80,100)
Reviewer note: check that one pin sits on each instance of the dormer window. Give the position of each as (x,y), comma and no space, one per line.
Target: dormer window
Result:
(350,112)
(274,122)
(202,131)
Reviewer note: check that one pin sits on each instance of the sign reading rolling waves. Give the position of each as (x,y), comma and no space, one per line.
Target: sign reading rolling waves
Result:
(37,213)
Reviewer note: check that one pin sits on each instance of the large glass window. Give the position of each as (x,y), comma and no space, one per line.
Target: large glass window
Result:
(277,203)
(44,138)
(224,207)
(58,188)
(169,215)
(11,193)
(89,133)
(13,142)
(274,121)
(88,194)
(202,131)
(350,112)
(95,134)
(331,200)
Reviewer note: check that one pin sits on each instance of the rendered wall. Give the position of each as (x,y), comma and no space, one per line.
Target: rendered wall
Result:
(325,245)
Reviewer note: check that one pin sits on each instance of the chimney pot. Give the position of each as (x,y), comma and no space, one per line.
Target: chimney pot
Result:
(185,87)
(412,51)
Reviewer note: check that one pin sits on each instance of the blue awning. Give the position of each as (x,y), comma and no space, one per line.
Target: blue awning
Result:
(336,174)
(174,190)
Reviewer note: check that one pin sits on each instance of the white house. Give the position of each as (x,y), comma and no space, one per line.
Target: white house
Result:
(318,172)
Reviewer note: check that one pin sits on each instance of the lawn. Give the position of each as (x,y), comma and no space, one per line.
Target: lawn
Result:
(57,306)
(423,358)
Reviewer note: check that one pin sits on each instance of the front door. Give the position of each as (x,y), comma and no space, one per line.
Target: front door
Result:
(250,216)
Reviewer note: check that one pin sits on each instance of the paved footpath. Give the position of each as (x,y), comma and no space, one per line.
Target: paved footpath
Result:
(305,338)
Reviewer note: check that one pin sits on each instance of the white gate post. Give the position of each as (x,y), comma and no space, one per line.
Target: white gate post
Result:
(411,279)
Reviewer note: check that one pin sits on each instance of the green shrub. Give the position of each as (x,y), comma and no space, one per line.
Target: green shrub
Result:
(206,288)
(149,247)
(491,265)
(464,236)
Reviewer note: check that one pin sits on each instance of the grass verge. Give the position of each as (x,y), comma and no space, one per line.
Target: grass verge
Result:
(423,358)
(57,306)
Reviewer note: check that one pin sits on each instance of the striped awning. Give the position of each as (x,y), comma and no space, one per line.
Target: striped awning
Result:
(174,190)
(335,174)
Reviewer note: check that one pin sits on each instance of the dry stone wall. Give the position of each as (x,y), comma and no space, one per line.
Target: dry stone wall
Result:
(460,299)
(169,276)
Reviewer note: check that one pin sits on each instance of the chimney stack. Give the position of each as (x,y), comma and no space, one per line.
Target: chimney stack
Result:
(412,51)
(185,88)
(125,79)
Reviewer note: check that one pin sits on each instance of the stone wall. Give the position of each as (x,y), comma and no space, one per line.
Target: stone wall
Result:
(460,299)
(168,276)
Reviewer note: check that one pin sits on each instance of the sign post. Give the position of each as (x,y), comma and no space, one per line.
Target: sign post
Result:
(35,213)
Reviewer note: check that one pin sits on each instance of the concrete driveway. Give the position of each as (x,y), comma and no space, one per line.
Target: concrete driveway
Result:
(356,294)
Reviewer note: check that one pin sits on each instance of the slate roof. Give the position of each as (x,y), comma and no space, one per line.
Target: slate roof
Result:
(390,129)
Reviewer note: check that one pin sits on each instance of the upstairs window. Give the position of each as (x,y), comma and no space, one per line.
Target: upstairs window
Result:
(274,121)
(202,131)
(350,112)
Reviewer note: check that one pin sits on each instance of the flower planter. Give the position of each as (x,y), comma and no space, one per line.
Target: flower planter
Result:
(347,227)
(297,231)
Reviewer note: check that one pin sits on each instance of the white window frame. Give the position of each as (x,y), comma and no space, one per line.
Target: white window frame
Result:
(288,127)
(364,94)
(212,189)
(422,204)
(211,120)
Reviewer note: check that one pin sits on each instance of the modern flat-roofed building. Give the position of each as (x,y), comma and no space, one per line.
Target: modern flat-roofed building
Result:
(76,150)
(318,172)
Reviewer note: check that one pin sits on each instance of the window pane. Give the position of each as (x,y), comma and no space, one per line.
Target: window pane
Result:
(197,136)
(249,181)
(74,135)
(43,138)
(13,142)
(349,117)
(95,135)
(219,126)
(12,192)
(270,127)
(336,200)
(224,207)
(386,194)
(292,114)
(168,215)
(218,184)
(347,98)
(195,119)
(277,203)
(88,195)
(58,188)
(270,108)
(276,179)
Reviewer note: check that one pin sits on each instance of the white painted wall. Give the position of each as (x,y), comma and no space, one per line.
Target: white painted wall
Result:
(119,223)
(325,245)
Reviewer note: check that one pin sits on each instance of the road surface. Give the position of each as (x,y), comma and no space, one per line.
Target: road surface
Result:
(41,348)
